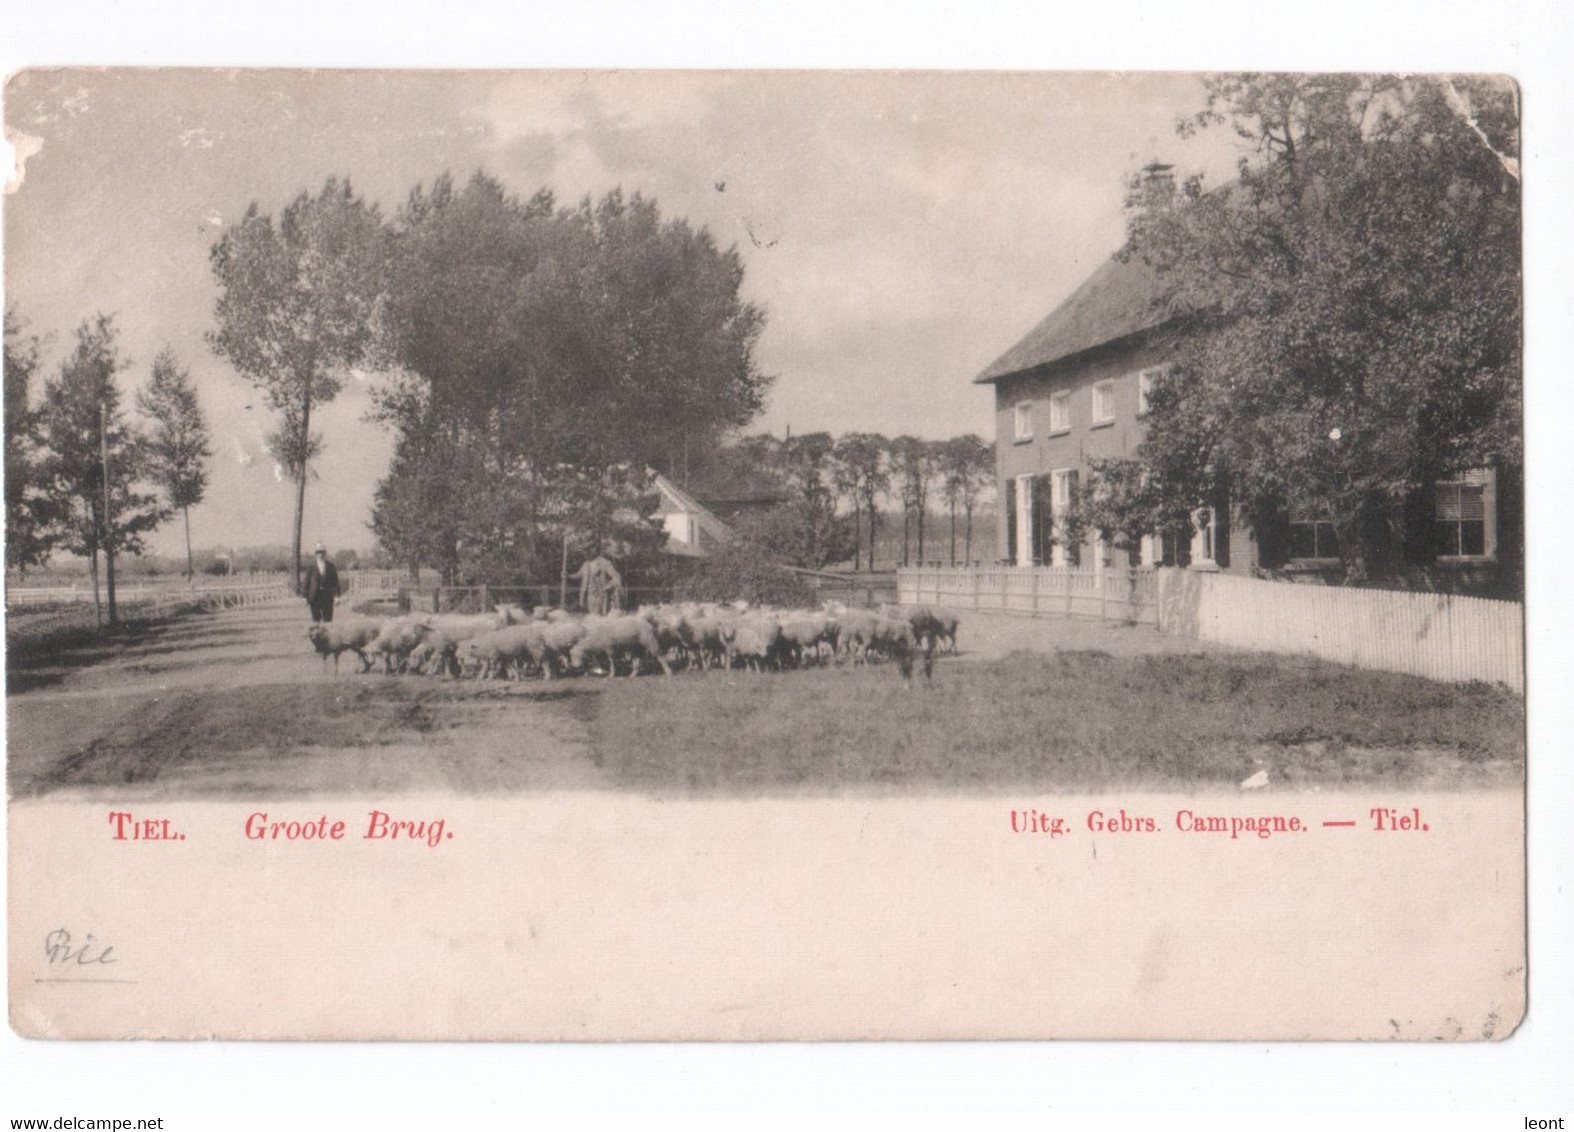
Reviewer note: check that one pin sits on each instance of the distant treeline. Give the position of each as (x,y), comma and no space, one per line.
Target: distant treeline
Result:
(858,501)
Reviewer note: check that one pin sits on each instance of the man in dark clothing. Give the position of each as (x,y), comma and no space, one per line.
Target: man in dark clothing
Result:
(322,586)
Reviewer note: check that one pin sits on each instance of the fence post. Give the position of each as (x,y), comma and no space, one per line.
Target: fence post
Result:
(486,598)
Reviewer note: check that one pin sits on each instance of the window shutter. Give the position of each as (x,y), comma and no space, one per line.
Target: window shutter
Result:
(1011,520)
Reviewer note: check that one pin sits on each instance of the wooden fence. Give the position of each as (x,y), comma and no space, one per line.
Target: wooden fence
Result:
(155,598)
(1440,636)
(1040,591)
(483,599)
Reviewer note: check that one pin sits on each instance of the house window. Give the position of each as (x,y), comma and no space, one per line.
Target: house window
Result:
(1204,541)
(1312,532)
(1171,549)
(1022,420)
(1460,520)
(1104,402)
(1060,412)
(1145,380)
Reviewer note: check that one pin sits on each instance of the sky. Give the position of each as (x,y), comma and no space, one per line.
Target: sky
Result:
(900,229)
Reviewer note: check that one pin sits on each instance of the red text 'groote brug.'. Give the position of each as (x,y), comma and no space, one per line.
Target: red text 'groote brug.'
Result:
(1377,819)
(378,826)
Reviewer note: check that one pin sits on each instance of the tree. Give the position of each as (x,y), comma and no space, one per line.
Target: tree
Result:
(1122,502)
(28,516)
(914,463)
(538,339)
(743,570)
(81,428)
(1351,305)
(418,510)
(609,512)
(806,531)
(297,310)
(177,447)
(967,466)
(864,462)
(800,533)
(807,465)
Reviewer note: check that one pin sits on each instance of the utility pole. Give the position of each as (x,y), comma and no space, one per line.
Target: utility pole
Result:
(562,590)
(109,519)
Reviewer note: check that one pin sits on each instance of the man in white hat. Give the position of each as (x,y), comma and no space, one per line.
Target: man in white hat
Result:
(322,585)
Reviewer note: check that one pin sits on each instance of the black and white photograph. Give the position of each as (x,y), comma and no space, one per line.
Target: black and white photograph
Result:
(781,510)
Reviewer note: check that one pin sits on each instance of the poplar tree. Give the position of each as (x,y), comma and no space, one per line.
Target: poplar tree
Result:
(177,447)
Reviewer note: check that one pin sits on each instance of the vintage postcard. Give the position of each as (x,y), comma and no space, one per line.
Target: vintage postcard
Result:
(566,555)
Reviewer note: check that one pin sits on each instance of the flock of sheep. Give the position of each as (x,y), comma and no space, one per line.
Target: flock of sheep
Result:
(516,642)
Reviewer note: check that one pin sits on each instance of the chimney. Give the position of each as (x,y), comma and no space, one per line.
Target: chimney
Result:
(1157,183)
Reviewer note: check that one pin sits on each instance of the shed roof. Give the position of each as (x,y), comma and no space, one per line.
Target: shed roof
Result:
(1118,300)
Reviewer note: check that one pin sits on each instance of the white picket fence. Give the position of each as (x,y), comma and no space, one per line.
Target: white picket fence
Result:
(1441,636)
(1040,591)
(156,598)
(208,592)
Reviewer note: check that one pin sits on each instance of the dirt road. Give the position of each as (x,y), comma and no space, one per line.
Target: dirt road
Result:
(214,704)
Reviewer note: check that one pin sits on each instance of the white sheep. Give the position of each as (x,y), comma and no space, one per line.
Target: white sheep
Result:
(331,639)
(397,639)
(617,637)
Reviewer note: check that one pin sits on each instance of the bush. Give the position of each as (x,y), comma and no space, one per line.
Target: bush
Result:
(801,533)
(741,570)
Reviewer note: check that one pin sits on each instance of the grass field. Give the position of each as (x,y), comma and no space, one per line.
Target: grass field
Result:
(1072,721)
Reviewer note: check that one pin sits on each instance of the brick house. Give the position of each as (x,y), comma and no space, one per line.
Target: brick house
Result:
(1074,389)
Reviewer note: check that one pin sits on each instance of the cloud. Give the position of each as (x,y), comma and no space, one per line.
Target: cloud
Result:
(76,103)
(199,136)
(897,227)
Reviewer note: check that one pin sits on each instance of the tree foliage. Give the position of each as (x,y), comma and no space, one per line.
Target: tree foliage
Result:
(71,470)
(177,446)
(297,309)
(915,464)
(29,515)
(864,473)
(1352,302)
(967,468)
(744,570)
(1122,500)
(543,348)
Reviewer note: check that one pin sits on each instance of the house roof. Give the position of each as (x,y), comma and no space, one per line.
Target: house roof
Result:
(1118,300)
(709,530)
(730,477)
(673,497)
(762,495)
